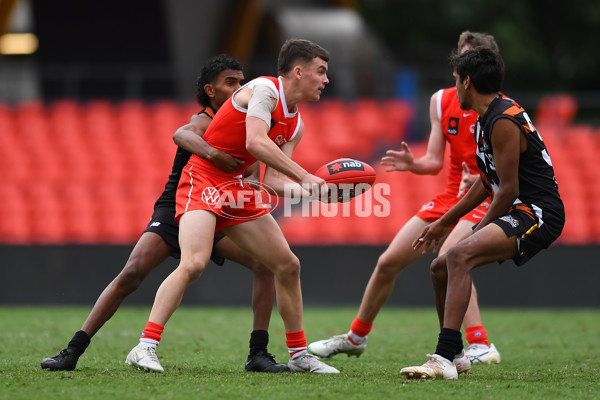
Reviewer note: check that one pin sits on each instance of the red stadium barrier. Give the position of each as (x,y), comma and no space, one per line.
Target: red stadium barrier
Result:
(90,172)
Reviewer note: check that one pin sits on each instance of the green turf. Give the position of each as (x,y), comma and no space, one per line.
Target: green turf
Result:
(546,354)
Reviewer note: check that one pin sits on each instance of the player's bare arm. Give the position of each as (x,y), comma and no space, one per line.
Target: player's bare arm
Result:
(189,137)
(265,150)
(257,140)
(432,234)
(508,143)
(279,182)
(433,160)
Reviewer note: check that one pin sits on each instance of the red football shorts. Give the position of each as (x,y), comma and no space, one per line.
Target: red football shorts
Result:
(441,203)
(231,199)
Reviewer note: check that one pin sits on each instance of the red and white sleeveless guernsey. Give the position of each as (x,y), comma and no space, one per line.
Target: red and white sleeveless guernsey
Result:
(458,128)
(205,187)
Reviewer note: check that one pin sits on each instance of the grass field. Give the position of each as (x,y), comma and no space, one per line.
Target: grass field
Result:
(546,354)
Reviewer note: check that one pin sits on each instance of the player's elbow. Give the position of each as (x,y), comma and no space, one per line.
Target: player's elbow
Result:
(253,146)
(428,165)
(436,168)
(508,194)
(177,138)
(432,168)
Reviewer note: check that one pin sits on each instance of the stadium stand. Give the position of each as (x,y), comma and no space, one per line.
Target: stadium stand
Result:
(89,173)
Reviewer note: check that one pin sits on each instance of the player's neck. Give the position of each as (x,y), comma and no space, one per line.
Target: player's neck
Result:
(482,103)
(292,94)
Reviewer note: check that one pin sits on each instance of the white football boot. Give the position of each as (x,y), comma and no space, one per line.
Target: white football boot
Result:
(144,358)
(309,363)
(462,363)
(482,354)
(436,367)
(336,345)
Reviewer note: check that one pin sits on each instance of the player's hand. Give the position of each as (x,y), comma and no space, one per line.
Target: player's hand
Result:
(431,236)
(400,160)
(225,162)
(315,187)
(338,194)
(467,180)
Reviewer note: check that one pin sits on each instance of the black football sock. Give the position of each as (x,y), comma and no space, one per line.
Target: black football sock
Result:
(79,343)
(449,343)
(258,341)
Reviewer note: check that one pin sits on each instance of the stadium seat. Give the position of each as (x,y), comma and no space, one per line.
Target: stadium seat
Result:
(14,213)
(100,166)
(559,110)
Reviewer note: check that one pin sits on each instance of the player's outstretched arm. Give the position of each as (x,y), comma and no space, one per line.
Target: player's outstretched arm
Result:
(189,137)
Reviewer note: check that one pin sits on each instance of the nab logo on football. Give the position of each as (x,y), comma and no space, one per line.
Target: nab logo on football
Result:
(342,166)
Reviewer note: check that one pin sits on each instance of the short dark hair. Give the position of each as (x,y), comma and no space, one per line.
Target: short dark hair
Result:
(211,71)
(485,67)
(294,50)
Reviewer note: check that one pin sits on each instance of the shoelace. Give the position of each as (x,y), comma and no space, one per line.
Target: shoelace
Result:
(476,347)
(339,338)
(267,355)
(433,362)
(152,354)
(63,353)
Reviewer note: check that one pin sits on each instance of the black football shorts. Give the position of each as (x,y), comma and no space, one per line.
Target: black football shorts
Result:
(532,237)
(163,224)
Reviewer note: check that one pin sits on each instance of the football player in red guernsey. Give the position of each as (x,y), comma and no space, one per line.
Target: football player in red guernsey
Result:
(219,78)
(259,122)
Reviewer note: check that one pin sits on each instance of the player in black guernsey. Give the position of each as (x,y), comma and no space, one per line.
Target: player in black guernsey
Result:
(526,213)
(538,200)
(219,78)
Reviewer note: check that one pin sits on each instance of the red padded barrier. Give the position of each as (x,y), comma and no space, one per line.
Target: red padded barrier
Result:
(90,172)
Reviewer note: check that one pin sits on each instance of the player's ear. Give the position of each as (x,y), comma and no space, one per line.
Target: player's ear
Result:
(467,81)
(209,89)
(298,71)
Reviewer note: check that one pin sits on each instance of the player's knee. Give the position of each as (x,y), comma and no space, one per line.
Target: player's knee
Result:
(387,266)
(458,258)
(193,267)
(438,266)
(290,268)
(132,274)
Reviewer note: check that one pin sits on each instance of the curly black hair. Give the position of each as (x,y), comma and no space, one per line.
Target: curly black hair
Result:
(209,73)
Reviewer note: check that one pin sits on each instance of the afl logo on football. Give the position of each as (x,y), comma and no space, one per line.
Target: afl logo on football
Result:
(211,196)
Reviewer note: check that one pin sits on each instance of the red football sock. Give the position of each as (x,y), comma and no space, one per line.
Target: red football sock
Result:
(476,335)
(296,343)
(152,331)
(360,328)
